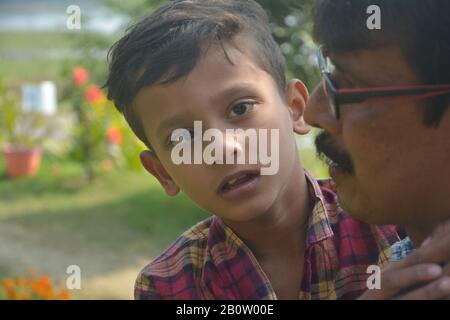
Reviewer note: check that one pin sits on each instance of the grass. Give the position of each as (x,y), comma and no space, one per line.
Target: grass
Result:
(19,40)
(24,56)
(17,70)
(132,200)
(54,220)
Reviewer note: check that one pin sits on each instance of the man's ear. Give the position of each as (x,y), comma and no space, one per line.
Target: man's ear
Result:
(297,96)
(152,164)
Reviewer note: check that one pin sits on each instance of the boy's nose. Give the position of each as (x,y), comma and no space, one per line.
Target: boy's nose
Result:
(317,112)
(233,147)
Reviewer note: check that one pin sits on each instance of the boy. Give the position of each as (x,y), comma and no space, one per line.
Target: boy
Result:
(384,111)
(270,236)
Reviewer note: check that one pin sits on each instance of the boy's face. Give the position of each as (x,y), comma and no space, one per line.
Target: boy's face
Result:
(400,166)
(223,96)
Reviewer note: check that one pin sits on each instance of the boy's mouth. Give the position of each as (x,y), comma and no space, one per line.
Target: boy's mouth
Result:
(238,182)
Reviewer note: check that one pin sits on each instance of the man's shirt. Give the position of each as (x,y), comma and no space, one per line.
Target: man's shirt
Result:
(401,249)
(209,261)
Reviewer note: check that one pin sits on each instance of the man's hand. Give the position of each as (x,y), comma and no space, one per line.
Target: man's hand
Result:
(425,274)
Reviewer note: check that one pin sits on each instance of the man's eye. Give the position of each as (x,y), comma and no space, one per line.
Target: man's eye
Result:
(241,109)
(340,81)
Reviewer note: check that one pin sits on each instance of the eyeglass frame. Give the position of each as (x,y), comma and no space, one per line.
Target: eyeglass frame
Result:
(336,96)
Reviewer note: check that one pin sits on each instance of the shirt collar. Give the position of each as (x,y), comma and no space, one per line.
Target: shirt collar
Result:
(319,227)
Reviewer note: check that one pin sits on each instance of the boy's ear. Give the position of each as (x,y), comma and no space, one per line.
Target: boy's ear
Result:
(297,96)
(152,164)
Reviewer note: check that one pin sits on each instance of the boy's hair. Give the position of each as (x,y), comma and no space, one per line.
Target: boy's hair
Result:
(168,44)
(421,28)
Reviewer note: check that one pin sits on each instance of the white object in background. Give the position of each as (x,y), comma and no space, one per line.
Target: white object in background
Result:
(48,97)
(39,98)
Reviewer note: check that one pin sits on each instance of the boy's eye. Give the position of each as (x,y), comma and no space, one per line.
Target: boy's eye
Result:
(241,109)
(184,138)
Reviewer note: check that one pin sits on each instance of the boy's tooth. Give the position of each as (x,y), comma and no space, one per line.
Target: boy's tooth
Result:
(236,179)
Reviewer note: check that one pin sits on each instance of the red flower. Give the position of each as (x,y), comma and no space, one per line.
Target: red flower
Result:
(93,94)
(80,76)
(114,135)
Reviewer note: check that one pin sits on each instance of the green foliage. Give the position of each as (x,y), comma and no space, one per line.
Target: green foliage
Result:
(9,106)
(134,9)
(101,137)
(89,141)
(290,22)
(291,25)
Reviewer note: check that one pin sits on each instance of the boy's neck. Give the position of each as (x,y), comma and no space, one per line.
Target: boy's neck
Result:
(281,230)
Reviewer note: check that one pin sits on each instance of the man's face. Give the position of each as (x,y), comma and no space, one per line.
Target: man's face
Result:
(222,96)
(388,166)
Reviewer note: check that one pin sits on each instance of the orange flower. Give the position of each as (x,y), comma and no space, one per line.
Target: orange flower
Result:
(93,94)
(21,282)
(25,289)
(63,295)
(80,76)
(44,282)
(9,283)
(11,294)
(114,135)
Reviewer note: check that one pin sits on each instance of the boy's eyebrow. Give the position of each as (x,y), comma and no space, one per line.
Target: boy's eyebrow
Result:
(228,93)
(231,92)
(170,123)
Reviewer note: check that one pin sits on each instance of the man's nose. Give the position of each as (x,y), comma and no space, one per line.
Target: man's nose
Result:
(317,112)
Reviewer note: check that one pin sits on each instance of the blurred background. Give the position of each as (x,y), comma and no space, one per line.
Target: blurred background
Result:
(72,191)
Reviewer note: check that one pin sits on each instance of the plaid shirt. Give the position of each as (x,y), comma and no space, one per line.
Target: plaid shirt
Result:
(401,249)
(209,261)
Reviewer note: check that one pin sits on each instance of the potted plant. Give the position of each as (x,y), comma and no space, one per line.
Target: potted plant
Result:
(22,134)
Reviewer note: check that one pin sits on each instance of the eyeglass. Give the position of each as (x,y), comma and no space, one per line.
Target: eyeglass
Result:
(337,97)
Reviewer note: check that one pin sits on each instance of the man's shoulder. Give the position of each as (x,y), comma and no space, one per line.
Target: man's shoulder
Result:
(181,262)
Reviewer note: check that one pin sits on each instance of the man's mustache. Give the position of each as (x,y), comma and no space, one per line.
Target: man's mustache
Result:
(329,152)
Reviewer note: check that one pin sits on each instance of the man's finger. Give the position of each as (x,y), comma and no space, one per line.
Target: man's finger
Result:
(437,251)
(441,231)
(438,289)
(408,277)
(393,281)
(446,270)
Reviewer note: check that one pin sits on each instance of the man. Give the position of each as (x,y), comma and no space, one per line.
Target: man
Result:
(384,110)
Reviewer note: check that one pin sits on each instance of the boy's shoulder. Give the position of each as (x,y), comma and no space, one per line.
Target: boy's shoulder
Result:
(180,263)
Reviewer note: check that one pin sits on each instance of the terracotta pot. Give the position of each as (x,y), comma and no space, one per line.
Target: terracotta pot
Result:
(22,162)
